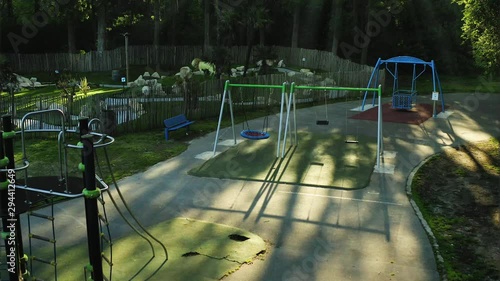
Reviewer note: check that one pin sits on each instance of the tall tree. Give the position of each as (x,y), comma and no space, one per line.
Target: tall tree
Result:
(296,23)
(254,16)
(206,25)
(336,24)
(100,9)
(10,8)
(366,17)
(481,26)
(173,14)
(156,36)
(2,4)
(217,24)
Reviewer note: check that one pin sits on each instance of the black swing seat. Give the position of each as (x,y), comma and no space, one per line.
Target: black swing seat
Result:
(254,134)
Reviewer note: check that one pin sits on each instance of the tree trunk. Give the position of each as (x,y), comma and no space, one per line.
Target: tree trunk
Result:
(250,35)
(366,16)
(36,6)
(101,28)
(206,33)
(1,24)
(295,27)
(173,25)
(10,9)
(217,27)
(337,24)
(71,34)
(262,36)
(156,36)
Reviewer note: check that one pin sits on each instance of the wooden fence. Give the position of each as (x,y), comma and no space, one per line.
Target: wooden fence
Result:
(170,57)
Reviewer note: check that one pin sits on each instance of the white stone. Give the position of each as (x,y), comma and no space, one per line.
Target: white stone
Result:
(281,64)
(140,82)
(145,90)
(146,74)
(155,75)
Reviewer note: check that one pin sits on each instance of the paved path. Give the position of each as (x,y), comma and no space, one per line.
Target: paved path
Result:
(313,233)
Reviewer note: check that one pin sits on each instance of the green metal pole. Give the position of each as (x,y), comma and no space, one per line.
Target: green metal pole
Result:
(256,86)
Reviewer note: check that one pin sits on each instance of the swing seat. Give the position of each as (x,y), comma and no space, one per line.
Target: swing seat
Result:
(403,99)
(254,134)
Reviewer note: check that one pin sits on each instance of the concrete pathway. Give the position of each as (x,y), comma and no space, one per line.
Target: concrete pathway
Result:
(313,233)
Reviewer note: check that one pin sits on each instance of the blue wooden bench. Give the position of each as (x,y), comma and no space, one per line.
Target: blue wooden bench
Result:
(176,122)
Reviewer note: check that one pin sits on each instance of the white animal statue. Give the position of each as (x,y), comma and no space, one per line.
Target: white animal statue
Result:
(185,72)
(195,62)
(203,65)
(281,64)
(145,90)
(210,67)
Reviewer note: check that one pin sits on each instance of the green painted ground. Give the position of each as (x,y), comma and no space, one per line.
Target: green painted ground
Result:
(318,160)
(211,254)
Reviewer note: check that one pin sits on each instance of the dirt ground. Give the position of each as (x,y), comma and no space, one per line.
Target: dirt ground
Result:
(460,189)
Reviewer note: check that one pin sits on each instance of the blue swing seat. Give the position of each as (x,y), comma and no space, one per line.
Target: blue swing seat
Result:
(254,134)
(404,99)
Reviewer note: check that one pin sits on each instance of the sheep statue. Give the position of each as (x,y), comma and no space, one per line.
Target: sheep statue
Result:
(203,65)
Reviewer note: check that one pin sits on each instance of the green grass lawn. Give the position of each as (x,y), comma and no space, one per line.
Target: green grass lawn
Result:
(146,149)
(450,84)
(53,91)
(457,193)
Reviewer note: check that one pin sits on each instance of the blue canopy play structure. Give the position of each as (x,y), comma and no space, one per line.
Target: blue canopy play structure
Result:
(405,98)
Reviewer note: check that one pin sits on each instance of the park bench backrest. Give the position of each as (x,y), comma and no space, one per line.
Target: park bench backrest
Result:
(174,121)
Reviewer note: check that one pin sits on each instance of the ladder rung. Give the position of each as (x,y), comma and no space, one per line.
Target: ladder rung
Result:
(103,219)
(43,261)
(107,260)
(42,238)
(103,237)
(51,218)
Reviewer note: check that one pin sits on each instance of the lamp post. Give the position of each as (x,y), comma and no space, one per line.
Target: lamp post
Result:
(125,35)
